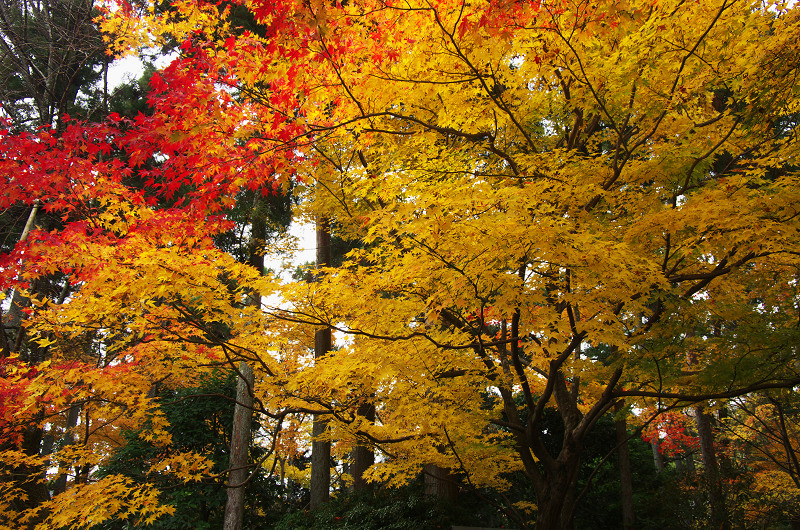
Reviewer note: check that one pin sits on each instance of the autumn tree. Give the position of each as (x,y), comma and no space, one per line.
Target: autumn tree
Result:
(51,58)
(78,173)
(567,175)
(525,180)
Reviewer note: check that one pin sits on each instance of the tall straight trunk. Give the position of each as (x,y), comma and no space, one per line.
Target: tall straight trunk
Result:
(658,458)
(32,478)
(240,448)
(440,483)
(243,410)
(719,512)
(625,473)
(321,449)
(690,467)
(363,455)
(60,485)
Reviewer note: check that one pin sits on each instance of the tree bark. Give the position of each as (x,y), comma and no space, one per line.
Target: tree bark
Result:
(321,449)
(556,502)
(243,410)
(14,318)
(34,484)
(658,458)
(74,412)
(719,512)
(240,448)
(363,455)
(440,483)
(625,473)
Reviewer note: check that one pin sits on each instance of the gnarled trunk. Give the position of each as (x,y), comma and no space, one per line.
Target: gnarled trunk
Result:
(556,501)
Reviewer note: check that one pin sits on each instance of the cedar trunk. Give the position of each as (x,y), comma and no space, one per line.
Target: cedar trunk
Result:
(719,513)
(243,410)
(240,449)
(363,455)
(625,473)
(321,449)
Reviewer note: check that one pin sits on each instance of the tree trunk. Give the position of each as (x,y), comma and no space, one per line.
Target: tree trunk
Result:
(33,479)
(68,439)
(321,449)
(556,504)
(14,318)
(555,483)
(440,483)
(625,473)
(658,458)
(719,513)
(243,410)
(240,448)
(363,455)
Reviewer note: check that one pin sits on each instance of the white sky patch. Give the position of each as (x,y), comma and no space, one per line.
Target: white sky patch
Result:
(307,242)
(305,239)
(131,68)
(124,71)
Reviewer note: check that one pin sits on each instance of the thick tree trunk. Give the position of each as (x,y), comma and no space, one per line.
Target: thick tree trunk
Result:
(33,478)
(625,473)
(440,483)
(363,455)
(240,448)
(34,483)
(321,449)
(556,486)
(719,512)
(556,504)
(690,467)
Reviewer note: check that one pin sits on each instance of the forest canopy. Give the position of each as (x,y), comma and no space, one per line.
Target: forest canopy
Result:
(554,214)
